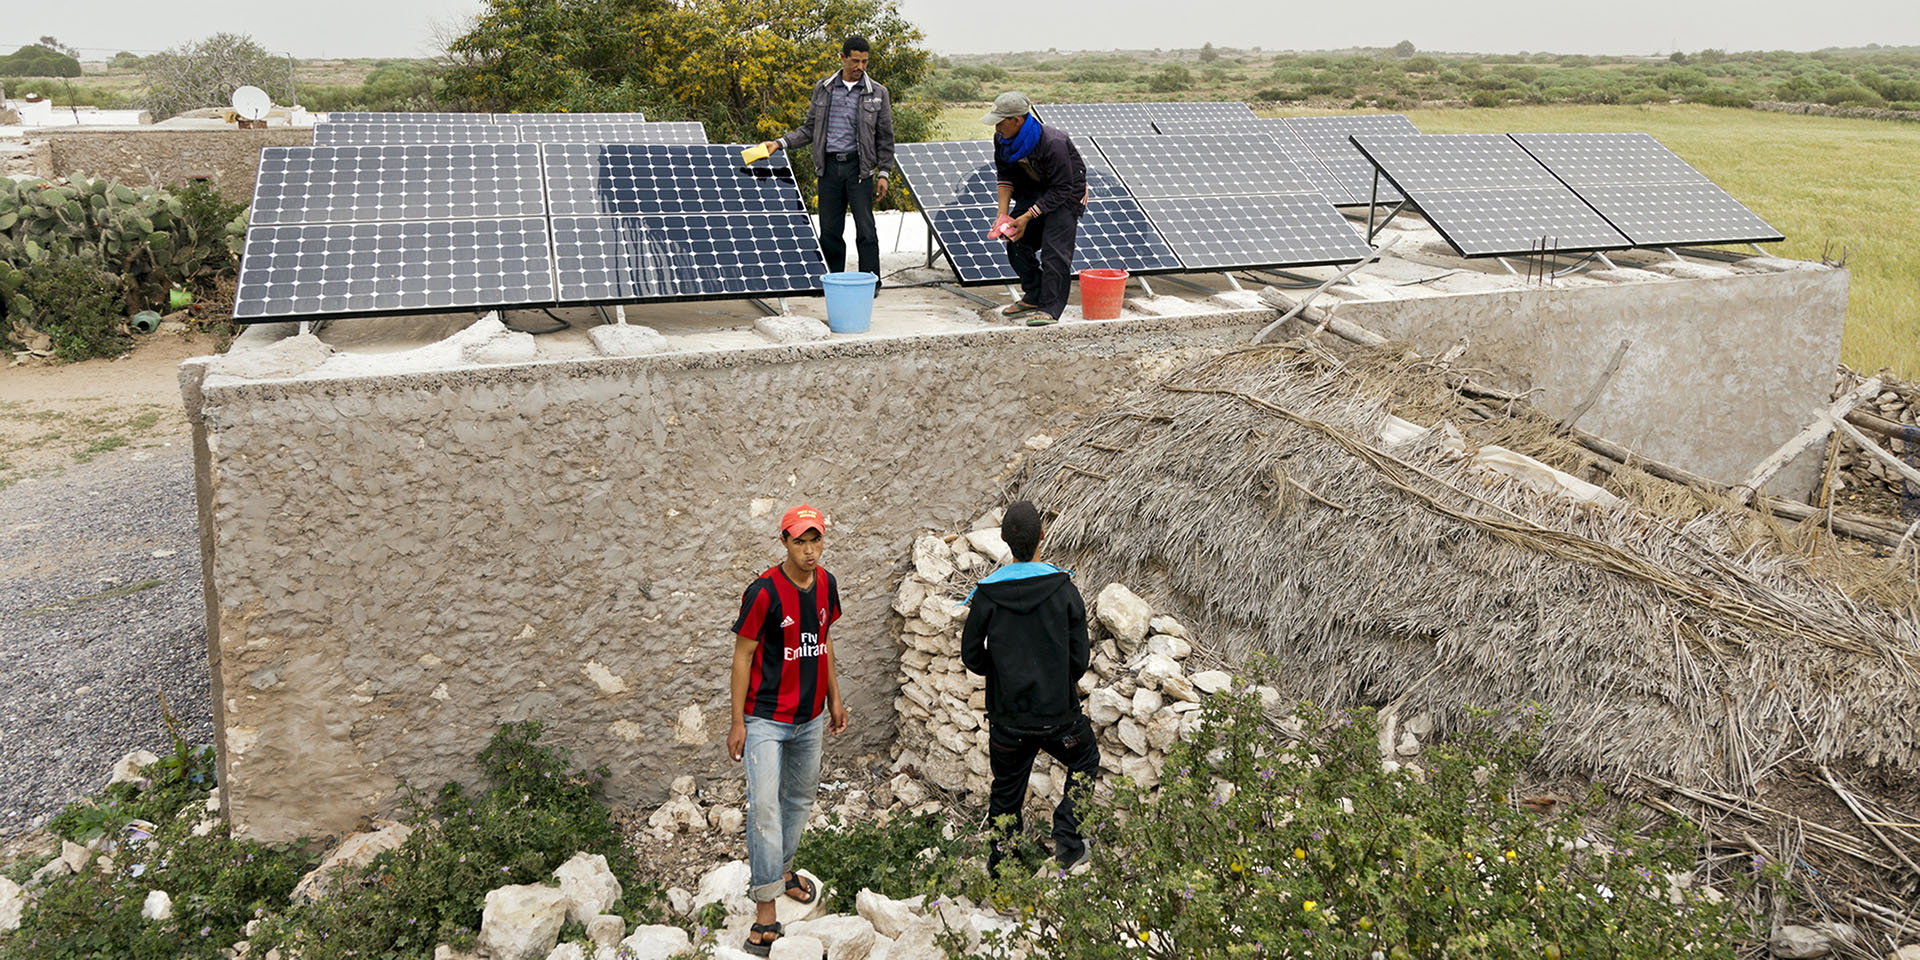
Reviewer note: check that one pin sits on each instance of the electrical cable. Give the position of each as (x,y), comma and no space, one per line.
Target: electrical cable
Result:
(563,325)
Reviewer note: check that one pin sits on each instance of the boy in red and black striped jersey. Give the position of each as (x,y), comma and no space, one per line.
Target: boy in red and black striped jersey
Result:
(783,675)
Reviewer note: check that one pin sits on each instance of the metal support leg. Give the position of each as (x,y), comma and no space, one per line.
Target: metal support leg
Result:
(1597,255)
(1233,281)
(1756,249)
(1188,284)
(968,294)
(1674,255)
(1509,266)
(1012,294)
(783,307)
(763,307)
(306,327)
(1144,287)
(620,313)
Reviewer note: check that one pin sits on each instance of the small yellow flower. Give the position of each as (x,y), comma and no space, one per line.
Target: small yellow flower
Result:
(1237,867)
(1308,906)
(1511,856)
(1145,936)
(1299,853)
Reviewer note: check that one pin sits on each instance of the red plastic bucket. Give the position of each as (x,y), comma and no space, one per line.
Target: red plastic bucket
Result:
(1101,293)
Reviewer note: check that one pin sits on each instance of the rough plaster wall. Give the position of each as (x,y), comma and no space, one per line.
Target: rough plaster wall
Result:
(172,157)
(397,565)
(1720,372)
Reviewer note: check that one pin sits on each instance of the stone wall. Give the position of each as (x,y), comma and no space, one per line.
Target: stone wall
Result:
(395,565)
(229,158)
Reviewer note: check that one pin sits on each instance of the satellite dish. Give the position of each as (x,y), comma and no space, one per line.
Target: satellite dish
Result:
(251,103)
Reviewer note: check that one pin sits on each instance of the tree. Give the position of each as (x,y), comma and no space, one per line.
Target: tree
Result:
(58,47)
(1208,54)
(1404,49)
(35,60)
(206,72)
(125,60)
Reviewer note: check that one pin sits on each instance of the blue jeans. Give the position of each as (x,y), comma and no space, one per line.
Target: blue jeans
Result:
(783,774)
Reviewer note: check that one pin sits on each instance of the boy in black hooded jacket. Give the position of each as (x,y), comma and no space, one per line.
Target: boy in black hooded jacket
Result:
(1026,632)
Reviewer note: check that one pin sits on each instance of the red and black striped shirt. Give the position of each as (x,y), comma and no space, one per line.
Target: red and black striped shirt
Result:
(791,626)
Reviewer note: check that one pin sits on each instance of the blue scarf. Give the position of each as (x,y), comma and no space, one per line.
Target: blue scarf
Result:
(1022,570)
(1023,142)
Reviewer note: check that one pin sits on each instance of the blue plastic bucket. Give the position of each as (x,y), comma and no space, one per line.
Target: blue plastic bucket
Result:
(849,301)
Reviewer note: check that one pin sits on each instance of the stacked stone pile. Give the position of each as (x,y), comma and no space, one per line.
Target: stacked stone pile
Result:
(1855,468)
(1139,692)
(879,929)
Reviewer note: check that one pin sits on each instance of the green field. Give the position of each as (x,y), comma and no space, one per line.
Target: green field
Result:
(1834,187)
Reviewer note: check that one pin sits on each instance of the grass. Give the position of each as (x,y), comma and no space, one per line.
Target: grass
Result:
(1833,186)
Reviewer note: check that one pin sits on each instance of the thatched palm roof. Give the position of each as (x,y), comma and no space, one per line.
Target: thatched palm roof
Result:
(1251,493)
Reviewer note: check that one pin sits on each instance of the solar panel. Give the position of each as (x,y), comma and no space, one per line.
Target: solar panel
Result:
(1184,166)
(686,256)
(419,266)
(401,116)
(1103,182)
(1458,161)
(1261,129)
(1646,190)
(1201,111)
(611,131)
(1218,233)
(1327,138)
(397,182)
(337,134)
(1113,233)
(1096,119)
(519,118)
(620,179)
(951,173)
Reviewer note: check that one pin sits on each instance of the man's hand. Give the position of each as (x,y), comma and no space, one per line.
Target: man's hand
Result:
(836,717)
(1018,229)
(737,741)
(879,187)
(770,146)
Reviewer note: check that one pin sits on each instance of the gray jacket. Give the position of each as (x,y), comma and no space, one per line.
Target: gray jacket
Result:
(872,131)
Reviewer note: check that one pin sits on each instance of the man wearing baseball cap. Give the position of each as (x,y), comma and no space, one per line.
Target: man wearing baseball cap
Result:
(1043,192)
(785,695)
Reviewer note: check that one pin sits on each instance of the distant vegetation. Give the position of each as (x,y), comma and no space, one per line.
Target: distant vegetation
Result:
(34,60)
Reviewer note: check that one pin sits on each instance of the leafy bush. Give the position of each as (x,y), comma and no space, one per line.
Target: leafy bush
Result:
(217,883)
(34,60)
(1259,846)
(1486,98)
(1098,74)
(72,302)
(534,814)
(885,858)
(1852,95)
(1279,95)
(1721,97)
(951,89)
(1171,78)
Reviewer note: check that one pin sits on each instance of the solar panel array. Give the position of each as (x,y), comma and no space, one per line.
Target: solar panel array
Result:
(1488,197)
(1216,111)
(396,228)
(1096,119)
(543,130)
(329,134)
(1351,172)
(1645,190)
(402,116)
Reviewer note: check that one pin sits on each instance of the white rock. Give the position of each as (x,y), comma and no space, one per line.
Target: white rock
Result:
(966,561)
(53,869)
(1212,681)
(74,856)
(1132,736)
(1793,942)
(679,815)
(936,611)
(989,520)
(1155,669)
(932,559)
(627,340)
(656,942)
(1170,627)
(157,906)
(1409,745)
(796,947)
(989,542)
(682,786)
(1170,646)
(728,820)
(1420,726)
(906,600)
(726,883)
(567,951)
(1141,770)
(907,790)
(1105,706)
(1269,697)
(13,902)
(589,885)
(690,726)
(127,770)
(608,929)
(506,346)
(889,917)
(681,900)
(1909,952)
(791,328)
(847,938)
(1124,615)
(1162,729)
(1146,703)
(357,850)
(1179,688)
(522,922)
(440,952)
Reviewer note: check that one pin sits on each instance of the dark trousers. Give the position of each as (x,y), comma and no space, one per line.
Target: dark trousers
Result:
(841,187)
(1011,753)
(1043,257)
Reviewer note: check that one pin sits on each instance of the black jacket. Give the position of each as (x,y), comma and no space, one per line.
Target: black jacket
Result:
(1028,637)
(1050,178)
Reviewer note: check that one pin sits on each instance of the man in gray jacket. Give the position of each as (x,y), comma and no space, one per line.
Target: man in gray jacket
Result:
(850,124)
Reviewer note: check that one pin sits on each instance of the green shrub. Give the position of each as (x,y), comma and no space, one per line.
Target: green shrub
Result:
(1257,846)
(1852,95)
(885,858)
(1721,97)
(951,89)
(1279,95)
(1099,74)
(34,60)
(1171,78)
(533,815)
(72,301)
(1486,98)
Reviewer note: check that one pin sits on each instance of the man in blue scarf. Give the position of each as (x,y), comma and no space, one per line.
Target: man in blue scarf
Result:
(1043,192)
(1026,632)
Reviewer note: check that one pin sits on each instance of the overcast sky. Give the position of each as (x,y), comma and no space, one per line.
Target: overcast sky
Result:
(405,28)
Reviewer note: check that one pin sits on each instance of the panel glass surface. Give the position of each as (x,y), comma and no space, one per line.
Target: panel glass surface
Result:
(397,182)
(1330,185)
(421,266)
(951,173)
(1102,181)
(1602,159)
(603,259)
(1425,162)
(401,116)
(338,134)
(518,118)
(1096,119)
(611,131)
(630,179)
(1179,166)
(1517,220)
(1662,214)
(1207,110)
(1215,233)
(1327,138)
(1113,234)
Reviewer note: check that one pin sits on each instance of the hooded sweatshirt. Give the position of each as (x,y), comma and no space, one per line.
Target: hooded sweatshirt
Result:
(1026,632)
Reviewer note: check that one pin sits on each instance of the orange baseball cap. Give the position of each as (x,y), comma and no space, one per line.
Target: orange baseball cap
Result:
(801,519)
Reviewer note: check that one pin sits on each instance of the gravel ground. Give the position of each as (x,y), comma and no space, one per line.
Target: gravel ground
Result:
(100,613)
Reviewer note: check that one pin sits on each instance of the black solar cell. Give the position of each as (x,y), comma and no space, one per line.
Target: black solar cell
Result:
(610,131)
(1327,138)
(619,179)
(1182,166)
(397,182)
(686,256)
(1217,233)
(341,134)
(1645,190)
(419,266)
